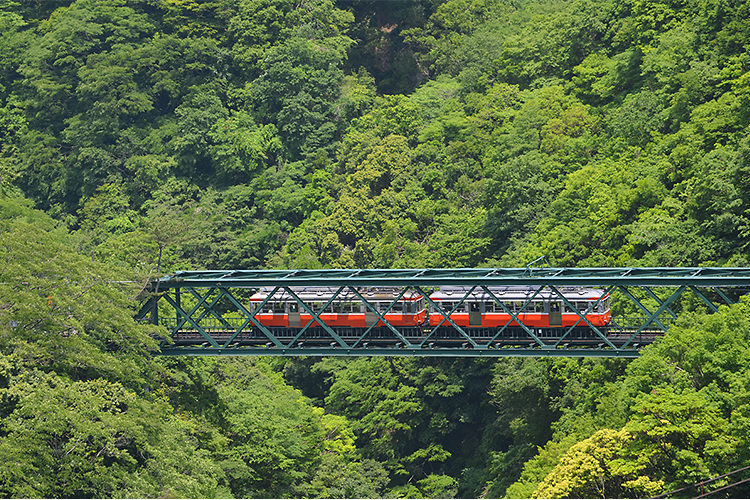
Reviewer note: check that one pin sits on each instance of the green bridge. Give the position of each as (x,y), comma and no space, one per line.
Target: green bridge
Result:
(210,312)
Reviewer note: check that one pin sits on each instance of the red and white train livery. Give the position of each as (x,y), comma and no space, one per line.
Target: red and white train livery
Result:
(478,310)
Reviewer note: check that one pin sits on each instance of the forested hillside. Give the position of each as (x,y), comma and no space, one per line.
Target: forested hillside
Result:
(145,136)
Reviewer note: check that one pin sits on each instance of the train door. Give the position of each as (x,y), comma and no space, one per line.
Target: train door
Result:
(475,314)
(370,317)
(555,313)
(294,317)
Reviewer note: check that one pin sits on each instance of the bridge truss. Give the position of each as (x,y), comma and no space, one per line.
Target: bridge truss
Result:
(208,312)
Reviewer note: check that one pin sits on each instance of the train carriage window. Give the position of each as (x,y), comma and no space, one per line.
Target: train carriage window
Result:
(518,306)
(293,307)
(567,308)
(489,307)
(408,307)
(278,307)
(474,306)
(398,307)
(539,306)
(582,306)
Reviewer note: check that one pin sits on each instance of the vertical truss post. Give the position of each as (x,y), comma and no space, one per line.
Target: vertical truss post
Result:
(177,298)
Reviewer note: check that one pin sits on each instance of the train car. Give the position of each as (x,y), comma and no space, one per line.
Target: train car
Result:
(544,311)
(347,310)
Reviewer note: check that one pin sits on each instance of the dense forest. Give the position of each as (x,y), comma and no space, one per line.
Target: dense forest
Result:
(145,136)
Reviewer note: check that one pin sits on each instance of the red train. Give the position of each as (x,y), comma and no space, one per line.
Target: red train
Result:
(478,310)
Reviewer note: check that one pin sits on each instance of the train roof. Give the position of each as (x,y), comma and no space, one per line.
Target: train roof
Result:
(323,293)
(515,293)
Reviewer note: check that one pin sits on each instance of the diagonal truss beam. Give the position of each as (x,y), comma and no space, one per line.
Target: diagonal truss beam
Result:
(656,313)
(327,328)
(447,316)
(381,317)
(640,305)
(514,316)
(210,309)
(387,310)
(659,301)
(705,299)
(251,315)
(189,317)
(723,296)
(185,316)
(315,317)
(583,317)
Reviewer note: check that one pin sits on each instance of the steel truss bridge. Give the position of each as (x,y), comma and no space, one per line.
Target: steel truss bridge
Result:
(208,312)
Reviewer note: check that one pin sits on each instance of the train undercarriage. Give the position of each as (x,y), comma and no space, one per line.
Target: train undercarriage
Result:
(418,337)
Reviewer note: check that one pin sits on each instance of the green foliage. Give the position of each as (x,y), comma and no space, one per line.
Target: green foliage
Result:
(269,133)
(684,403)
(96,438)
